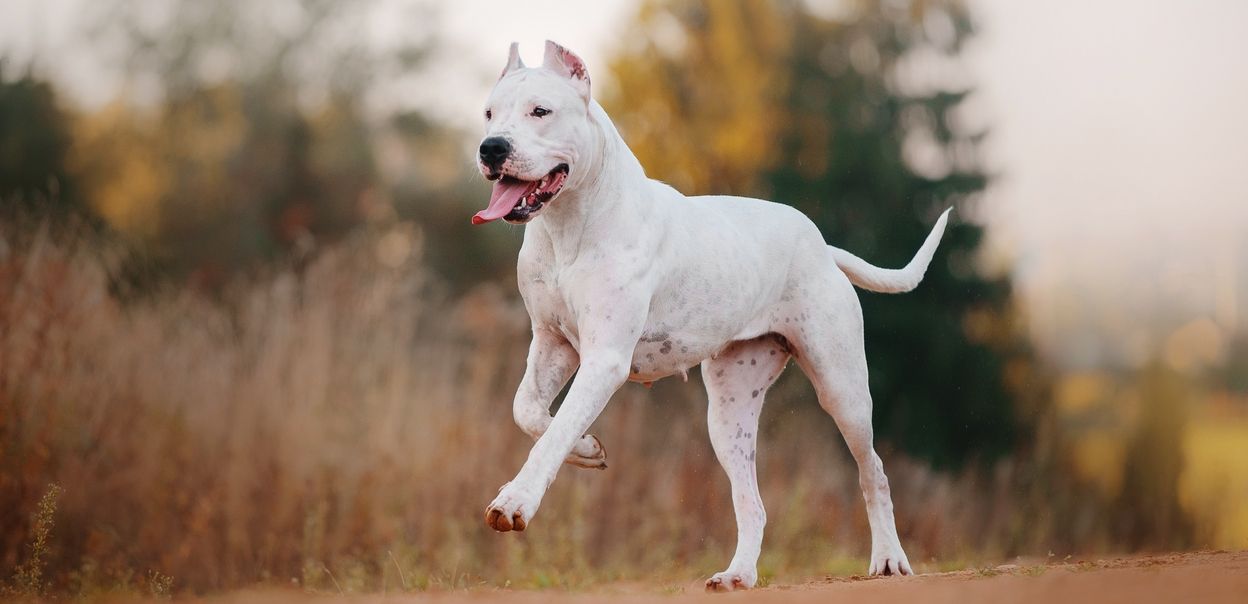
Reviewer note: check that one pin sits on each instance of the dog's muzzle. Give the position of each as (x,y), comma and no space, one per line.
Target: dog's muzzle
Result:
(518,201)
(493,152)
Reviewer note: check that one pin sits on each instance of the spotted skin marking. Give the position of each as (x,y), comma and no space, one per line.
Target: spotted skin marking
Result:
(733,427)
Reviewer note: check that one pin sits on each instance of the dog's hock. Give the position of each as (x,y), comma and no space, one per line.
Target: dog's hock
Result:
(588,453)
(565,63)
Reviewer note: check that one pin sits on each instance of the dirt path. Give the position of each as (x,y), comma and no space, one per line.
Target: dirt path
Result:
(1197,577)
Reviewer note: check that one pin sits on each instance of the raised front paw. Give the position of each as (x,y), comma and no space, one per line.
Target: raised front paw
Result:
(889,561)
(731,580)
(511,510)
(588,453)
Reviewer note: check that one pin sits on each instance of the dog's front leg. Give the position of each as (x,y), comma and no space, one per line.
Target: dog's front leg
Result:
(602,372)
(552,360)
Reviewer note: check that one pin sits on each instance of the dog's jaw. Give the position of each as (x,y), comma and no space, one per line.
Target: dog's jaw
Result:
(518,201)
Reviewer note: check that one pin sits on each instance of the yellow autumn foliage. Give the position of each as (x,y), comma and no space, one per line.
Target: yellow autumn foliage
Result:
(713,126)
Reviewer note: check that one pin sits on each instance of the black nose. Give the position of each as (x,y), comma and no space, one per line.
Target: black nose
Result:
(494,151)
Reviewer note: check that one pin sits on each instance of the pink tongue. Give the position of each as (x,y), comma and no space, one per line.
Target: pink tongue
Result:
(507,192)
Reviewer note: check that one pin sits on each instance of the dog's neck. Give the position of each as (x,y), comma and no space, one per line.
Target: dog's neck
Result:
(594,204)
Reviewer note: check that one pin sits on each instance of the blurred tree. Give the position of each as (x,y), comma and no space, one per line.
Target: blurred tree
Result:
(831,114)
(701,95)
(244,135)
(117,157)
(439,188)
(1233,375)
(1148,511)
(34,142)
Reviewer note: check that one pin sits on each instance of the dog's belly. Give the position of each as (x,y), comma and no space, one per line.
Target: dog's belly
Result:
(694,320)
(660,355)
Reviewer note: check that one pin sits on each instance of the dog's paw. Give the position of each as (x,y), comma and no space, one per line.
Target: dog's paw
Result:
(511,510)
(889,561)
(731,580)
(588,453)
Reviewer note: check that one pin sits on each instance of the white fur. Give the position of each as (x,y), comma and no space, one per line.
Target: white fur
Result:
(624,279)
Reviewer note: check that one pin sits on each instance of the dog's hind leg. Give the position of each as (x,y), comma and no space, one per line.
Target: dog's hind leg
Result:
(736,382)
(552,360)
(825,332)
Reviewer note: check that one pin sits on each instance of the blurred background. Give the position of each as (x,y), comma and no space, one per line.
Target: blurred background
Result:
(247,328)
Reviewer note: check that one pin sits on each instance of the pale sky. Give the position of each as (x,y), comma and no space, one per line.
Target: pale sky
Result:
(1119,133)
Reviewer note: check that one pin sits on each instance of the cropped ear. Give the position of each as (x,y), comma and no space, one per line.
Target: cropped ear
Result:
(565,63)
(513,60)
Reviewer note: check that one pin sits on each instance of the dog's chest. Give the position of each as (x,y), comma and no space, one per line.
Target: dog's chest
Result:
(664,348)
(547,305)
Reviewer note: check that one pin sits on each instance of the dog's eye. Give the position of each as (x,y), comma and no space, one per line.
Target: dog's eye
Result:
(540,112)
(488,114)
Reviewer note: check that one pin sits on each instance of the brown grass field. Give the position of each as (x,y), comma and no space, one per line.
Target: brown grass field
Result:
(339,427)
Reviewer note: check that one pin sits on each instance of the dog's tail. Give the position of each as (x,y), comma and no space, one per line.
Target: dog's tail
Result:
(892,281)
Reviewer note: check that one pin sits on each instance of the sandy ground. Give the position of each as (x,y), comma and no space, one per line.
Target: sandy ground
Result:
(1196,577)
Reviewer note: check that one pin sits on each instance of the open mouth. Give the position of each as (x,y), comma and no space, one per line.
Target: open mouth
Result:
(517,201)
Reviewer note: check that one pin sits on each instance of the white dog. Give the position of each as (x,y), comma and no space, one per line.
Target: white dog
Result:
(624,279)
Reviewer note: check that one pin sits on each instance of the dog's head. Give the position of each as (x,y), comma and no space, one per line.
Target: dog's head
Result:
(536,122)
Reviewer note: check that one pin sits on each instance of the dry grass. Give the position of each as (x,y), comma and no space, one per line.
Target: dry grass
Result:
(342,427)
